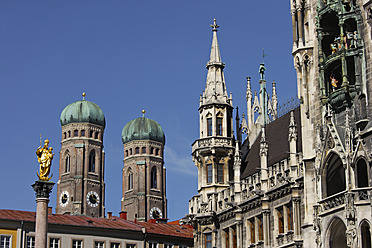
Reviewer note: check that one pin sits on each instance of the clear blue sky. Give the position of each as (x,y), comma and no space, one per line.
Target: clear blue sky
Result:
(127,56)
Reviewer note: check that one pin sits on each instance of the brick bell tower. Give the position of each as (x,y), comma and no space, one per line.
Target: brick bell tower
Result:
(81,187)
(144,187)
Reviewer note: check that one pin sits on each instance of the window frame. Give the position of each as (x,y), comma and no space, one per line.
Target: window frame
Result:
(154,179)
(209,168)
(54,244)
(77,245)
(209,126)
(9,241)
(219,126)
(92,161)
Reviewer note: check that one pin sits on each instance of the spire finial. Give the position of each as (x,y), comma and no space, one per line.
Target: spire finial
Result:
(263,55)
(143,113)
(215,26)
(83,95)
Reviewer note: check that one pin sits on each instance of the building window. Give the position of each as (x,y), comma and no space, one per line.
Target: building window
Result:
(362,173)
(131,246)
(137,150)
(115,245)
(99,244)
(153,178)
(219,126)
(64,135)
(260,228)
(152,150)
(67,163)
(91,134)
(30,242)
(69,134)
(209,126)
(96,135)
(77,243)
(130,151)
(157,152)
(5,241)
(227,237)
(126,153)
(335,176)
(92,161)
(153,245)
(168,246)
(208,240)
(76,133)
(209,173)
(220,173)
(366,235)
(143,150)
(252,230)
(279,212)
(290,216)
(130,179)
(53,243)
(82,132)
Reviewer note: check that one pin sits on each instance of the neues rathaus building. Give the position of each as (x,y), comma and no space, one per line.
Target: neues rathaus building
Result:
(301,178)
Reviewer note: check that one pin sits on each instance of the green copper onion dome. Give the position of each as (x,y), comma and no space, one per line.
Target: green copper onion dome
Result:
(83,111)
(142,129)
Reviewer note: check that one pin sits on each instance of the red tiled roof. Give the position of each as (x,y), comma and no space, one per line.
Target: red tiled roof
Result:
(184,231)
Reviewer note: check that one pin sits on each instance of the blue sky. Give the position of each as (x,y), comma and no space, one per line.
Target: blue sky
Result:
(127,56)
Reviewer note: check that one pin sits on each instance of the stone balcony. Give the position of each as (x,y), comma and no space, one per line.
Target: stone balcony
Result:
(212,142)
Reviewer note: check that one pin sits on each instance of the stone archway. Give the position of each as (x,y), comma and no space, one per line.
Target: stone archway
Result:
(336,234)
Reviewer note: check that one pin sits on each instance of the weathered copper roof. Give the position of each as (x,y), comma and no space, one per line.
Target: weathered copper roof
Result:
(183,231)
(278,146)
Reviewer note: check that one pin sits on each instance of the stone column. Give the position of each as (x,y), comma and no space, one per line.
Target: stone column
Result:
(296,198)
(42,190)
(266,226)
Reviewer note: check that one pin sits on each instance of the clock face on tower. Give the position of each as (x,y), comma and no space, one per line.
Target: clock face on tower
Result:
(155,213)
(63,199)
(93,199)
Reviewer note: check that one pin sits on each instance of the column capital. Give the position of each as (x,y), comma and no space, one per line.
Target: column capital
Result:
(42,188)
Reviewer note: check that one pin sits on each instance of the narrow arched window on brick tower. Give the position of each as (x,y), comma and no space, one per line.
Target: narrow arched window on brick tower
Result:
(92,161)
(153,178)
(67,163)
(130,179)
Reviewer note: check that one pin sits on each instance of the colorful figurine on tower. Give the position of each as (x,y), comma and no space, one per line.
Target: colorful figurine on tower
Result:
(44,157)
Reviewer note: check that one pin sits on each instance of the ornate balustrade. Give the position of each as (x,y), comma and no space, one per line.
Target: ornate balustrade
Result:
(333,201)
(212,142)
(362,194)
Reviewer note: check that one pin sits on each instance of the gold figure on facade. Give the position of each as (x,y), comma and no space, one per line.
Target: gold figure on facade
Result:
(44,157)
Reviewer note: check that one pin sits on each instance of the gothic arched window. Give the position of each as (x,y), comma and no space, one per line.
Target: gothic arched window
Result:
(130,179)
(335,176)
(153,178)
(362,173)
(92,161)
(67,162)
(366,235)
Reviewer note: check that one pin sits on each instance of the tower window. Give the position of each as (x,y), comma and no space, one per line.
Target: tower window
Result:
(362,173)
(92,161)
(220,173)
(153,178)
(91,133)
(67,163)
(130,179)
(82,133)
(157,151)
(69,134)
(126,153)
(209,173)
(76,133)
(219,126)
(137,150)
(130,151)
(252,229)
(64,135)
(96,135)
(335,176)
(152,150)
(143,150)
(209,126)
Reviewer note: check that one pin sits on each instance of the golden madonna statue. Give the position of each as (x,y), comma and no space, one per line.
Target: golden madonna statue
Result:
(44,157)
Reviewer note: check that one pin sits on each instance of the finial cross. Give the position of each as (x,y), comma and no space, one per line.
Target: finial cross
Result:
(214,26)
(263,55)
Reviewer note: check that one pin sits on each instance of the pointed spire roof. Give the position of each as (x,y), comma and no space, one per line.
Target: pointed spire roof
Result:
(215,50)
(215,89)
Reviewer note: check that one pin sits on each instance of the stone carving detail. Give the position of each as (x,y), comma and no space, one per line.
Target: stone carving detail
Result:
(318,225)
(42,188)
(333,201)
(350,217)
